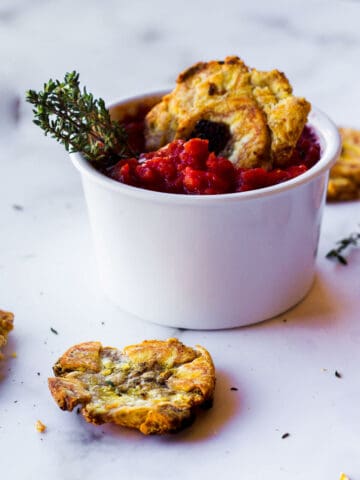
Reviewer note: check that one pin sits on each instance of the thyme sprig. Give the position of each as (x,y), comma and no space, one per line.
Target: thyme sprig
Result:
(79,121)
(336,253)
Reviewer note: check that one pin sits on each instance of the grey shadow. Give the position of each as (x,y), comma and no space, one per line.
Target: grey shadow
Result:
(208,422)
(320,307)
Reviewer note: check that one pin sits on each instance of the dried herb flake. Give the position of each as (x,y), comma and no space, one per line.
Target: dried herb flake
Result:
(336,253)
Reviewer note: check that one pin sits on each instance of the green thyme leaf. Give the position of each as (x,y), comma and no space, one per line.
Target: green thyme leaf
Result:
(81,123)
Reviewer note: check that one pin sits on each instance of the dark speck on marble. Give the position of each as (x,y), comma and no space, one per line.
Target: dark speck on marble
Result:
(150,36)
(17,207)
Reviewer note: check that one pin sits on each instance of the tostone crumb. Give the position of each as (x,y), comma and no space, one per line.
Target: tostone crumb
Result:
(40,427)
(6,325)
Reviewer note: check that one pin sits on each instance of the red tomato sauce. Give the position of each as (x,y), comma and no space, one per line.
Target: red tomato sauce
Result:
(187,167)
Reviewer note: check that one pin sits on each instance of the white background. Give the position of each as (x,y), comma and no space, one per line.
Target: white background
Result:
(284,371)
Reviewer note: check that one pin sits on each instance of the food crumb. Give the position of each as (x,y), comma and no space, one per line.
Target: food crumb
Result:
(40,427)
(13,355)
(344,477)
(54,331)
(338,374)
(234,389)
(285,435)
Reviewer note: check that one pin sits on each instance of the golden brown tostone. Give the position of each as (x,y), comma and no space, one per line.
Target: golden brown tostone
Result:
(344,181)
(264,119)
(154,386)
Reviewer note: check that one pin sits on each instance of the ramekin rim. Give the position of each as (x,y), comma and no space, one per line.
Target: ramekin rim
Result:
(324,127)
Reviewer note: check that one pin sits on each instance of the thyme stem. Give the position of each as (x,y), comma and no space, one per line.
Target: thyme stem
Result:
(81,123)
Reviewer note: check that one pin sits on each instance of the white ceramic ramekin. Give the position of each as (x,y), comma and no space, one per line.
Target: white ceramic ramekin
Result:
(209,262)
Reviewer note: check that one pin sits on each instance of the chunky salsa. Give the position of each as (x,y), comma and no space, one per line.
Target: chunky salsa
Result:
(188,167)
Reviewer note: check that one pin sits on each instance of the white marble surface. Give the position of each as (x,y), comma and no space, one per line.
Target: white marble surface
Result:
(284,371)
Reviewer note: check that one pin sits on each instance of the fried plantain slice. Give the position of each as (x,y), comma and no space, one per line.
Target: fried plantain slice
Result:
(154,386)
(6,325)
(263,117)
(344,181)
